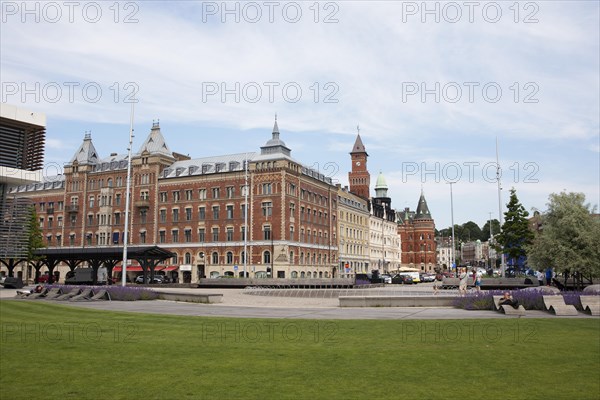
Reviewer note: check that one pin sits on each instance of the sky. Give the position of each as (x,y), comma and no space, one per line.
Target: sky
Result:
(433,87)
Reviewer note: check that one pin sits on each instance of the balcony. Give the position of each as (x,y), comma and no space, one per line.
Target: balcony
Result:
(72,208)
(144,203)
(50,210)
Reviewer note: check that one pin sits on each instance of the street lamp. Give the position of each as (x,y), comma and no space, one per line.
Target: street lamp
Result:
(453,255)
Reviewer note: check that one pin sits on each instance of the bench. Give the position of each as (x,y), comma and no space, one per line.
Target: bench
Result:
(506,309)
(101,294)
(556,304)
(84,295)
(67,296)
(590,304)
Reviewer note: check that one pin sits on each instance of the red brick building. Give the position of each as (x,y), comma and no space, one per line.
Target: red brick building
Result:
(197,209)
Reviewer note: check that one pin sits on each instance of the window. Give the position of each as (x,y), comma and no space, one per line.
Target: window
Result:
(61,206)
(175,215)
(91,201)
(162,196)
(267,232)
(215,257)
(176,195)
(188,195)
(73,220)
(215,212)
(144,195)
(187,258)
(229,257)
(215,234)
(161,236)
(243,208)
(90,219)
(267,188)
(229,234)
(244,190)
(188,214)
(142,237)
(88,239)
(59,240)
(215,193)
(110,182)
(59,222)
(117,199)
(42,207)
(119,181)
(143,216)
(292,209)
(175,235)
(202,194)
(201,213)
(188,235)
(243,231)
(201,234)
(230,192)
(291,233)
(267,257)
(163,215)
(229,212)
(72,239)
(267,208)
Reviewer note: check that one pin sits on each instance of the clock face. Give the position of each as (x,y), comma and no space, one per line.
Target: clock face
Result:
(358,163)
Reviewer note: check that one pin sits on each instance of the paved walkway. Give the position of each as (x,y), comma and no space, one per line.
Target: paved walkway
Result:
(236,304)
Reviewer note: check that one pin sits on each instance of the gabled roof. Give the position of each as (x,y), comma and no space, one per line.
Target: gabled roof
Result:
(358,147)
(86,154)
(422,209)
(155,142)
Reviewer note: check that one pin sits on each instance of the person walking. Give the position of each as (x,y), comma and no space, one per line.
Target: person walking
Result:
(462,286)
(549,276)
(477,280)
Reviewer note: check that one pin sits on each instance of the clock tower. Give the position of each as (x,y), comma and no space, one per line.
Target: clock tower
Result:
(359,177)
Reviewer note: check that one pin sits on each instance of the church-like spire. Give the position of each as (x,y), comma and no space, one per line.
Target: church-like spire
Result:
(86,154)
(358,147)
(275,145)
(422,209)
(155,142)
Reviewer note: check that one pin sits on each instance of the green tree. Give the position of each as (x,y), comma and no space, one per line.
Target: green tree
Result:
(485,231)
(471,232)
(35,240)
(568,238)
(515,234)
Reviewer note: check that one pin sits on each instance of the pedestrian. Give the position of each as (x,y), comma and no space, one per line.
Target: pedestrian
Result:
(540,277)
(477,280)
(549,276)
(462,286)
(437,284)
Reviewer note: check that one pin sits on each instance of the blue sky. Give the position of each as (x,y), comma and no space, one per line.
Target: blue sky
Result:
(431,97)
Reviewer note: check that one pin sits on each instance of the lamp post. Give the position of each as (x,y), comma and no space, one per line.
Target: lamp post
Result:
(453,255)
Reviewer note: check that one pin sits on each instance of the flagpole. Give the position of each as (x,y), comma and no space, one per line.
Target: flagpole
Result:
(127,200)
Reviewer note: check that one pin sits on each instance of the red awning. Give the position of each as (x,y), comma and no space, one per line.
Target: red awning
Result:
(131,268)
(171,268)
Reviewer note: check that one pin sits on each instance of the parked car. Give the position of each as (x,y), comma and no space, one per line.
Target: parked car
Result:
(427,277)
(43,278)
(402,279)
(386,278)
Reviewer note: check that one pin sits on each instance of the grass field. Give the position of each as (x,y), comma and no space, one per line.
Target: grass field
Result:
(59,352)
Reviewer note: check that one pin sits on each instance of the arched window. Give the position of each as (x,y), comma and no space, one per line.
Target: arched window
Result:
(188,258)
(267,257)
(294,274)
(215,257)
(302,274)
(242,257)
(229,257)
(308,274)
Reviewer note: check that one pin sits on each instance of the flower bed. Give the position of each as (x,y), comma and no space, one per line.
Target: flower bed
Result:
(118,293)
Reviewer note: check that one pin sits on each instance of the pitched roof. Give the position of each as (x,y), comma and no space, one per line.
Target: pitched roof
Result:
(155,142)
(422,209)
(358,147)
(86,154)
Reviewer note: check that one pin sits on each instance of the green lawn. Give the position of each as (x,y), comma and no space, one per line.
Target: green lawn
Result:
(52,351)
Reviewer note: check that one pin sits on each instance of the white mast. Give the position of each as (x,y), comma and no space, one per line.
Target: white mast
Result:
(246,214)
(127,200)
(498,176)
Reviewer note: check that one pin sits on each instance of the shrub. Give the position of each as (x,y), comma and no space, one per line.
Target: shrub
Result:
(118,293)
